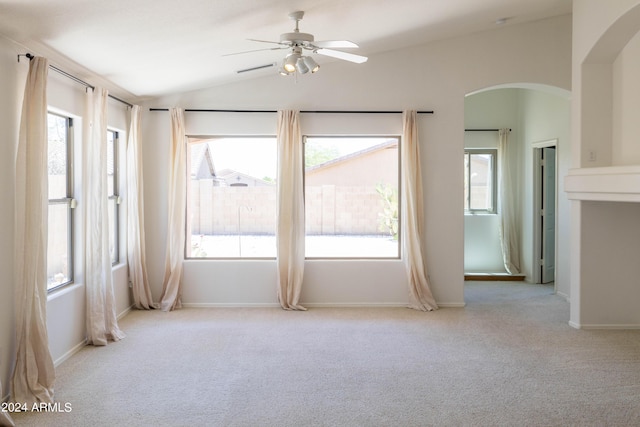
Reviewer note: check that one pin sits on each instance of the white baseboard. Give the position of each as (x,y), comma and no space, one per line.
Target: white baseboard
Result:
(452,304)
(125,312)
(83,343)
(229,305)
(69,353)
(563,295)
(313,305)
(604,326)
(352,305)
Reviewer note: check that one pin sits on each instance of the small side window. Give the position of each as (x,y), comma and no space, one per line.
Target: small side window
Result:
(114,198)
(480,181)
(60,225)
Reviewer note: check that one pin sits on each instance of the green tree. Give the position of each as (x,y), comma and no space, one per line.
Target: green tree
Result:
(388,218)
(316,154)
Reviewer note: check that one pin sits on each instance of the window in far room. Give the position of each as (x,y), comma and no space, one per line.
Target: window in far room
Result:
(231,197)
(61,202)
(351,197)
(480,183)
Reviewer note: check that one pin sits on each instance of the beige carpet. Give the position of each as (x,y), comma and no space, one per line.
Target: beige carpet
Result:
(508,359)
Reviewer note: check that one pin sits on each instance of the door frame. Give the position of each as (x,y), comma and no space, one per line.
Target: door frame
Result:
(537,196)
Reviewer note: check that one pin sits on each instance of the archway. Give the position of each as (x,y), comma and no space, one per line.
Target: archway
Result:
(536,114)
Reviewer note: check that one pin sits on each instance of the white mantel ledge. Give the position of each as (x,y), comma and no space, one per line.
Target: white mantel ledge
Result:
(610,183)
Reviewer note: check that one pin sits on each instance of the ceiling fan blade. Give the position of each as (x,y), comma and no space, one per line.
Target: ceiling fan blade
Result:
(333,44)
(265,41)
(259,67)
(358,59)
(255,50)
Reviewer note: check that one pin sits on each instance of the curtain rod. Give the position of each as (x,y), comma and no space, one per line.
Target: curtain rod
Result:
(303,111)
(74,78)
(483,130)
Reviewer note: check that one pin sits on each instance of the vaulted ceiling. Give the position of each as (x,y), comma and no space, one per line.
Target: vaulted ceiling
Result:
(154,47)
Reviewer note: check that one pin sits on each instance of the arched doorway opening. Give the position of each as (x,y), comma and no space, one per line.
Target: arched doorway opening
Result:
(538,117)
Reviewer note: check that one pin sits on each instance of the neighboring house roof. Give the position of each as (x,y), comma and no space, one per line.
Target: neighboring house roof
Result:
(354,155)
(231,176)
(201,157)
(367,167)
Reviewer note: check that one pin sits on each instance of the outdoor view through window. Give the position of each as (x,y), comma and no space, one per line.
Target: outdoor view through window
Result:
(351,196)
(59,249)
(479,179)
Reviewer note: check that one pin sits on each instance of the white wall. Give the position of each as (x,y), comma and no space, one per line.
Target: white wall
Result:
(610,291)
(65,308)
(604,138)
(626,105)
(546,116)
(435,76)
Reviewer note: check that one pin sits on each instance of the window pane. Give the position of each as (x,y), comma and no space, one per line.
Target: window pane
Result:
(466,181)
(232,198)
(112,183)
(480,180)
(58,250)
(112,212)
(57,156)
(351,197)
(110,162)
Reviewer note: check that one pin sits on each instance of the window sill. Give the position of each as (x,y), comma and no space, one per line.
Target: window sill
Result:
(63,290)
(480,214)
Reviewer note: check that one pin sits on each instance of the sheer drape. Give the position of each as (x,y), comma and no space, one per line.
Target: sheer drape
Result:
(509,237)
(102,323)
(33,374)
(136,254)
(412,217)
(290,211)
(5,419)
(172,284)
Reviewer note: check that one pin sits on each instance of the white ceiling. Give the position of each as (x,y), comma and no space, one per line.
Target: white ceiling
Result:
(154,47)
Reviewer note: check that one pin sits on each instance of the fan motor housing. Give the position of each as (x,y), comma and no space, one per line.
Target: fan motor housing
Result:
(296,37)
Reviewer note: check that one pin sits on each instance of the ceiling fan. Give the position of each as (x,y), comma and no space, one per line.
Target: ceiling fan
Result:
(297,43)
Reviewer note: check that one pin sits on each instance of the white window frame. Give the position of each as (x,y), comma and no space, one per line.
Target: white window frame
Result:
(398,242)
(115,259)
(189,225)
(68,200)
(493,210)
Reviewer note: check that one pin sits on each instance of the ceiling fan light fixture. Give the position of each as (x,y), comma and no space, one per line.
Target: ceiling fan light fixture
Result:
(289,63)
(301,65)
(284,72)
(311,64)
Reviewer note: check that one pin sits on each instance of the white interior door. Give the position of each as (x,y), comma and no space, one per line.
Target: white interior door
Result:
(548,214)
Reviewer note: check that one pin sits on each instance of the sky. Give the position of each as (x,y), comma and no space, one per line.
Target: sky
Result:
(257,156)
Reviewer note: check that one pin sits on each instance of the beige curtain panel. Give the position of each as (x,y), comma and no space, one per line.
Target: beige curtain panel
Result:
(413,218)
(290,211)
(102,323)
(172,283)
(33,374)
(136,253)
(509,236)
(5,418)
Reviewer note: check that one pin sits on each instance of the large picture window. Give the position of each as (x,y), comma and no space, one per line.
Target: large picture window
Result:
(351,197)
(231,201)
(60,225)
(480,192)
